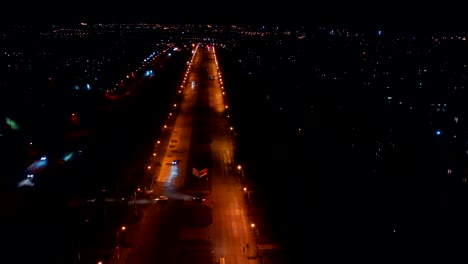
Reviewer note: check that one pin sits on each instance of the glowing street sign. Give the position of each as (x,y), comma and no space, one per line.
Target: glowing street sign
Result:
(200,173)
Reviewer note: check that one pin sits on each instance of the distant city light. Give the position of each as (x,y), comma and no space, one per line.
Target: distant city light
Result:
(12,124)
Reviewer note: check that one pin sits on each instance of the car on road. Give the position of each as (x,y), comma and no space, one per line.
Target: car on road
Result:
(161,198)
(198,199)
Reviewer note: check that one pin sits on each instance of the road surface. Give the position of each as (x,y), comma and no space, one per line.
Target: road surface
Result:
(199,137)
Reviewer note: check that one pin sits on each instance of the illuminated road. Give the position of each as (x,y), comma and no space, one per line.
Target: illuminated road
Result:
(231,229)
(198,136)
(199,132)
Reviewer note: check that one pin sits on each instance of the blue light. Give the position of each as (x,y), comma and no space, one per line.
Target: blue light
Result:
(68,156)
(438,132)
(148,73)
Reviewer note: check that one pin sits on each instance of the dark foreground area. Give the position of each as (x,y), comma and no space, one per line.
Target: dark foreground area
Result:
(47,222)
(351,178)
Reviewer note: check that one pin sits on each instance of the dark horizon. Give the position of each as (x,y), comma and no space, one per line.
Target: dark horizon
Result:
(390,16)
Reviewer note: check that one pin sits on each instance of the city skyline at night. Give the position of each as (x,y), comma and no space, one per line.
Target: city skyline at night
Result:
(354,137)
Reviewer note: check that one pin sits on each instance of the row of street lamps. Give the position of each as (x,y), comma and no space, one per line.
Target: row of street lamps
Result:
(119,231)
(158,147)
(249,205)
(253,226)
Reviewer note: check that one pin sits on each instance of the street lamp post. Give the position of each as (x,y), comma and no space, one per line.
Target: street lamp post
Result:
(249,199)
(255,231)
(118,240)
(257,237)
(241,174)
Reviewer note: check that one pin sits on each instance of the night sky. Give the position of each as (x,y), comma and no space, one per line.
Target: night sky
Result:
(394,14)
(166,12)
